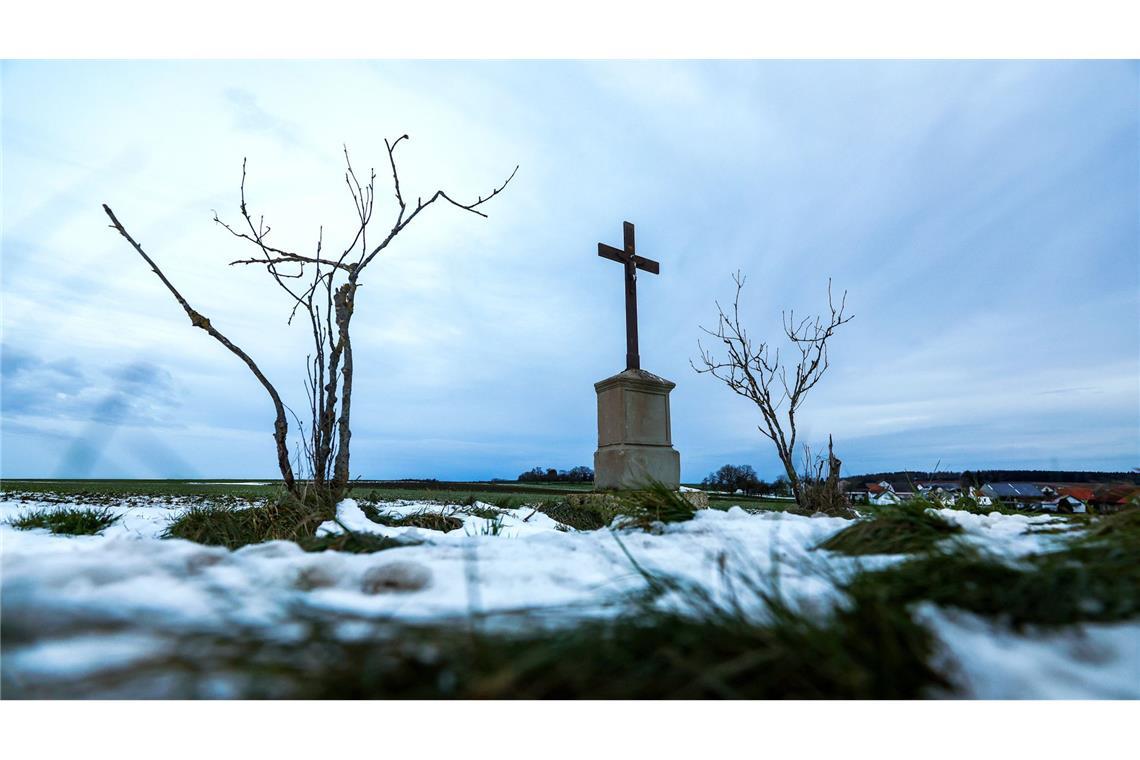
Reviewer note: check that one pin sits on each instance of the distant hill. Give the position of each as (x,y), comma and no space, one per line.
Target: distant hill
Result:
(1002,476)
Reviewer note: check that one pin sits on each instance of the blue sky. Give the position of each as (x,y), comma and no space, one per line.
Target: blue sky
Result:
(983,217)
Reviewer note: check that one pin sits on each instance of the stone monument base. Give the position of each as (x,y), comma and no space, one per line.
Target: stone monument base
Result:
(629,466)
(635,446)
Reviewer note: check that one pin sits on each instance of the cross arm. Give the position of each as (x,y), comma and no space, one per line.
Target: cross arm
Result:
(611,253)
(618,255)
(649,265)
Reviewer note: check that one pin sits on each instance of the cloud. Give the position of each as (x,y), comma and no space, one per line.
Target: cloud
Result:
(248,115)
(64,388)
(980,214)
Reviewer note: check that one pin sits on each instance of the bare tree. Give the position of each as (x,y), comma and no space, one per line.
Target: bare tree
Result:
(755,370)
(323,289)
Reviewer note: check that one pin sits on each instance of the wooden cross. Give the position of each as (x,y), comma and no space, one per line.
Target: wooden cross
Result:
(632,263)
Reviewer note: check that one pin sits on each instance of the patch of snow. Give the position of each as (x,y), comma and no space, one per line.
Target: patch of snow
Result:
(230,483)
(1091,661)
(63,587)
(81,656)
(1007,535)
(60,593)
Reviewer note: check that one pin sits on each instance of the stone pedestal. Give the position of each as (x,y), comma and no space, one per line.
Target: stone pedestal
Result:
(635,445)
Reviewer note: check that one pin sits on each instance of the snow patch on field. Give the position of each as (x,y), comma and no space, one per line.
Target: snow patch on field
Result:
(1007,535)
(1091,661)
(229,483)
(75,605)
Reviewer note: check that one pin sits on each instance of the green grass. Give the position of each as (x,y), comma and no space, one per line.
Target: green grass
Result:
(585,517)
(866,650)
(112,491)
(1094,577)
(97,491)
(557,488)
(464,493)
(869,647)
(489,513)
(423,519)
(1121,529)
(657,503)
(724,503)
(493,527)
(638,508)
(644,508)
(284,519)
(68,521)
(504,495)
(901,529)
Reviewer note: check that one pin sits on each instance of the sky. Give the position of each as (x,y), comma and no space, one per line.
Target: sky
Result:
(983,217)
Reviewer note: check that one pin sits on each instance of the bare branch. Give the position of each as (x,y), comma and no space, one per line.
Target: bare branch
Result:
(281,426)
(473,207)
(402,222)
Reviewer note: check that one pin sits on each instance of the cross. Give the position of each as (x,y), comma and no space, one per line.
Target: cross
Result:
(632,263)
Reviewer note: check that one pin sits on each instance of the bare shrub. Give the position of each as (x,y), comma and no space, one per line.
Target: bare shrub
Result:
(321,287)
(776,386)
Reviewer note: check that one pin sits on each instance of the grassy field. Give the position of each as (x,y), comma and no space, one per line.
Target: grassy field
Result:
(112,488)
(874,646)
(499,493)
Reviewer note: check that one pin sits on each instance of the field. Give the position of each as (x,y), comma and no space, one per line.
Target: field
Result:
(443,492)
(503,590)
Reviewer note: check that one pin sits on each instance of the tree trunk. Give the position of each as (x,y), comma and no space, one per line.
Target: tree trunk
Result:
(834,496)
(345,300)
(790,471)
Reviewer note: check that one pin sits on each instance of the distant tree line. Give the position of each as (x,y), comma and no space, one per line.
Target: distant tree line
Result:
(981,477)
(733,478)
(551,475)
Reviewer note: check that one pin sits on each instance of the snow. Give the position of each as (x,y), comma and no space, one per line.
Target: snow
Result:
(77,604)
(1092,661)
(230,483)
(1009,536)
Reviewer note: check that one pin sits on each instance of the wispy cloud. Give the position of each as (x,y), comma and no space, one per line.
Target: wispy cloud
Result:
(982,216)
(249,116)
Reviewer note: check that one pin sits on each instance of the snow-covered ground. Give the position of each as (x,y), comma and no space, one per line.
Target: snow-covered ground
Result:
(78,604)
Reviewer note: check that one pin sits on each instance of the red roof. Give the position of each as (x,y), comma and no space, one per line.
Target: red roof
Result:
(875,488)
(1115,494)
(1084,493)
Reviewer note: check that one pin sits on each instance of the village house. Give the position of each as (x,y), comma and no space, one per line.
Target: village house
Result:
(885,493)
(856,493)
(980,496)
(1064,504)
(1019,495)
(903,492)
(1114,497)
(1083,493)
(884,498)
(941,492)
(1054,497)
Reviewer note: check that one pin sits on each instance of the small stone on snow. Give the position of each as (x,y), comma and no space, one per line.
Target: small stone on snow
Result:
(396,576)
